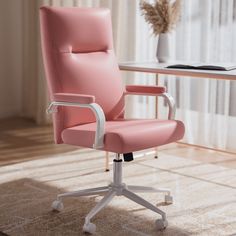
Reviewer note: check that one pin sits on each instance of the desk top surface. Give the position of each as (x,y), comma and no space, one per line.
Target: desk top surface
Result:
(160,68)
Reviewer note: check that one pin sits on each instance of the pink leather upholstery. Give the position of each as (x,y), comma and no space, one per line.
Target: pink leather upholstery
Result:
(123,136)
(78,58)
(70,97)
(145,89)
(81,67)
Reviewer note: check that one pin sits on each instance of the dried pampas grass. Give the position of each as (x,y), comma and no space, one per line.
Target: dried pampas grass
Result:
(163,15)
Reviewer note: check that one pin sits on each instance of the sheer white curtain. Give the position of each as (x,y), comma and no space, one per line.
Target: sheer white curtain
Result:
(206,32)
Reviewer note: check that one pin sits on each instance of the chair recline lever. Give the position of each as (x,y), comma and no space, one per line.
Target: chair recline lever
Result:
(128,157)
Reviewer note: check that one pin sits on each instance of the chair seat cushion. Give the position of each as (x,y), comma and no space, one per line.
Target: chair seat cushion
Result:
(124,136)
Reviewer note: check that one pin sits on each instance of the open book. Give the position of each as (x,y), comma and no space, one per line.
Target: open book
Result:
(204,66)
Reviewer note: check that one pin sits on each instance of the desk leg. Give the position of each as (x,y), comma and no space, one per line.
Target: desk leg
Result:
(156,114)
(107,167)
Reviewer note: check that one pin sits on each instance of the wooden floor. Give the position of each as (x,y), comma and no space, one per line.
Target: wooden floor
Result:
(21,140)
(33,170)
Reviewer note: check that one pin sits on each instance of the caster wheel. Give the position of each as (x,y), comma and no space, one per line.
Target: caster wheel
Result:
(161,224)
(168,199)
(57,205)
(89,228)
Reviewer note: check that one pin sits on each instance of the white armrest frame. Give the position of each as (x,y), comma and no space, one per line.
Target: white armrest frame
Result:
(98,112)
(170,100)
(100,117)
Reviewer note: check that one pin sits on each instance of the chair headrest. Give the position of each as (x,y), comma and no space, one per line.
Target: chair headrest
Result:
(78,30)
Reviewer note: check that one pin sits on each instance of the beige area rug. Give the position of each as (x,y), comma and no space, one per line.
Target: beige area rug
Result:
(204,193)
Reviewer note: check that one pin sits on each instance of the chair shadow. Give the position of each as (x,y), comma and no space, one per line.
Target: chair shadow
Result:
(26,210)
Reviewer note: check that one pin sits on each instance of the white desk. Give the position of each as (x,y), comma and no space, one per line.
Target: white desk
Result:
(160,68)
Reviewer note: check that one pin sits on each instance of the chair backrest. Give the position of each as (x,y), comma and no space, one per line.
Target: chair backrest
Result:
(78,58)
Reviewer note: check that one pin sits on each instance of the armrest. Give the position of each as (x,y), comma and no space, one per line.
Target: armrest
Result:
(153,91)
(97,110)
(72,97)
(145,89)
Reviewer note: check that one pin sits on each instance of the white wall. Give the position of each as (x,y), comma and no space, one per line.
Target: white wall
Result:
(11,54)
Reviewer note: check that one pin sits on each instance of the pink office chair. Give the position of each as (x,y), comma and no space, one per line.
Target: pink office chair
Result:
(87,97)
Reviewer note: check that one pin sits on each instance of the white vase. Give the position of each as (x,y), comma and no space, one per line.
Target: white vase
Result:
(163,48)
